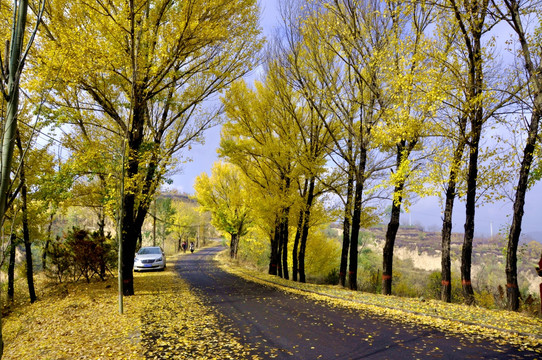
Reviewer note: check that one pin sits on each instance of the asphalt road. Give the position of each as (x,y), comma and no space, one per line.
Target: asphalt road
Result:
(281,325)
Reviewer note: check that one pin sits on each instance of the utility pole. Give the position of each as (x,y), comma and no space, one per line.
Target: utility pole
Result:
(119,231)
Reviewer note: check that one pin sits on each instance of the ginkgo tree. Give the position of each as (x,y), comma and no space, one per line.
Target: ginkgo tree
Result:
(514,13)
(187,221)
(452,125)
(411,97)
(225,196)
(310,147)
(258,139)
(92,163)
(26,213)
(477,99)
(335,62)
(146,69)
(18,45)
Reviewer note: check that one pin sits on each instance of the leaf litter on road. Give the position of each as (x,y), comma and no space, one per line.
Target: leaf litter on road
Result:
(502,327)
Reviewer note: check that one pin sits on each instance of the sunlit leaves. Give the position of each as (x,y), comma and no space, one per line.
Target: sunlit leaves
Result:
(225,195)
(166,320)
(175,54)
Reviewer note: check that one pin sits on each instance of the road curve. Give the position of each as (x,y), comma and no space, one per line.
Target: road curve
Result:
(280,325)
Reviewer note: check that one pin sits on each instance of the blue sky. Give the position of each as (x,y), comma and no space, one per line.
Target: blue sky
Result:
(426,212)
(204,156)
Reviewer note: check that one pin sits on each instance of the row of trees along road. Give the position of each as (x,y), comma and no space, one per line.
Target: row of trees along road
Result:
(134,75)
(373,99)
(353,91)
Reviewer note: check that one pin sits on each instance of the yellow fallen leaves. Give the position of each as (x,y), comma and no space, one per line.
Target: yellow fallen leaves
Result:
(164,320)
(84,324)
(503,327)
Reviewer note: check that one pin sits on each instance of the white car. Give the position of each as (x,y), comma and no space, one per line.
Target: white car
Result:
(150,258)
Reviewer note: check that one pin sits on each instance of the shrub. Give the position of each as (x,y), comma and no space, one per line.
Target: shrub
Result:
(254,250)
(405,285)
(531,305)
(433,288)
(59,260)
(332,277)
(81,254)
(485,298)
(369,271)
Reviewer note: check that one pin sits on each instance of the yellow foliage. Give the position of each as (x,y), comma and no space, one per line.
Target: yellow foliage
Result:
(254,247)
(322,256)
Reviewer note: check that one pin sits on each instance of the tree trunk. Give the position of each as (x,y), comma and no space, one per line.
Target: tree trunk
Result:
(295,250)
(391,234)
(274,258)
(284,231)
(26,231)
(446,265)
(129,240)
(346,228)
(474,111)
(134,216)
(512,293)
(519,202)
(234,245)
(302,249)
(299,230)
(131,233)
(47,243)
(11,268)
(404,148)
(470,209)
(285,235)
(356,221)
(306,226)
(26,237)
(130,229)
(279,250)
(101,239)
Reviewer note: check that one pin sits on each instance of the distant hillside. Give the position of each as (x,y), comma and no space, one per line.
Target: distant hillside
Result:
(424,249)
(176,196)
(429,242)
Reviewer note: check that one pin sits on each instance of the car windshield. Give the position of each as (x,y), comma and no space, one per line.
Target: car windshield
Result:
(151,250)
